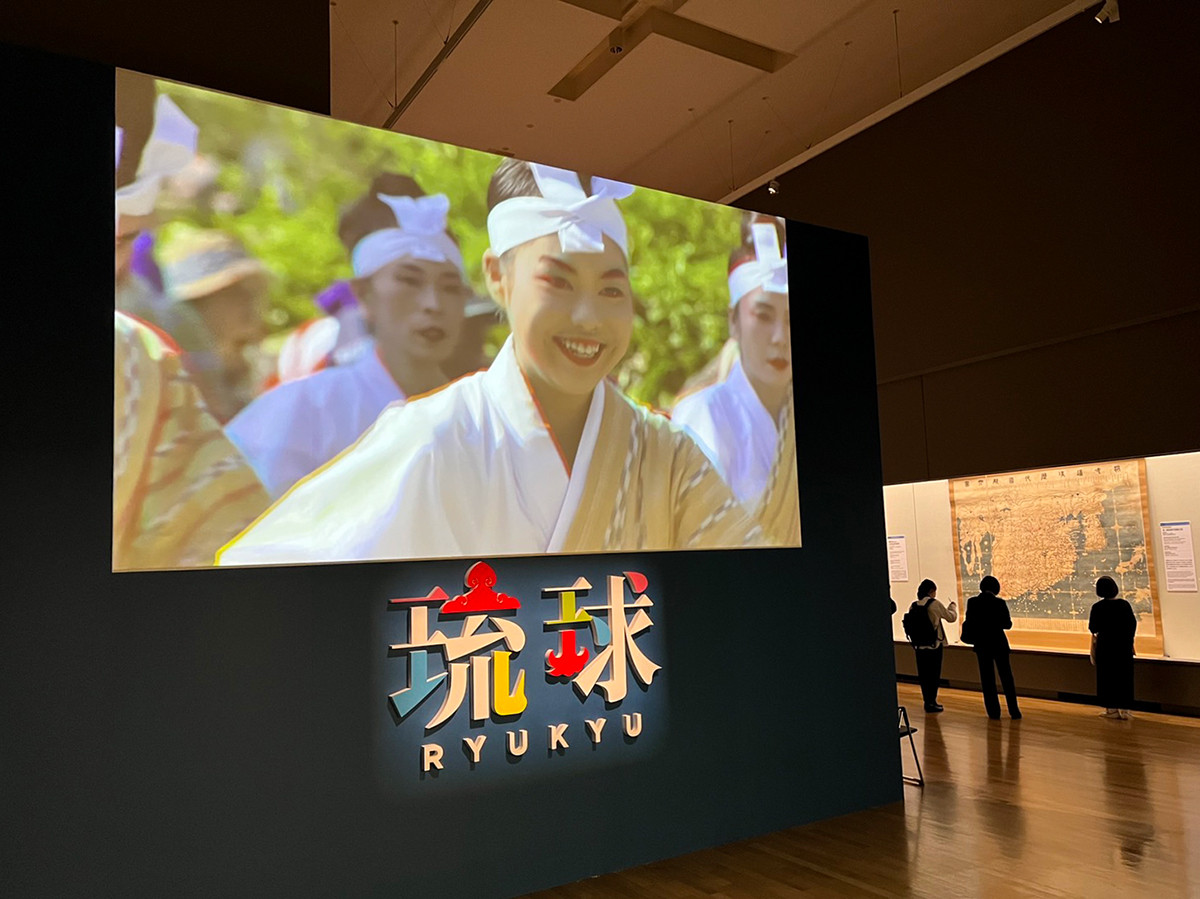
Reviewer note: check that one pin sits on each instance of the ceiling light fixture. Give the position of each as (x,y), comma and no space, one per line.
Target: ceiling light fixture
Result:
(1109,12)
(772,187)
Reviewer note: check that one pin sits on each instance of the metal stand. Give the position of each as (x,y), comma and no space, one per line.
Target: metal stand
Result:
(907,730)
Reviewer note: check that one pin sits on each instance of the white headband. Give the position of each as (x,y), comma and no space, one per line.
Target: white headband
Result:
(581,222)
(767,270)
(171,146)
(420,234)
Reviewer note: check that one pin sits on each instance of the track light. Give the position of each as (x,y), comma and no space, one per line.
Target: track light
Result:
(1109,12)
(772,187)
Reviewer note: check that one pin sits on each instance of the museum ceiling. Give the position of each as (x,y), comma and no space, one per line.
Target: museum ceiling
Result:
(708,98)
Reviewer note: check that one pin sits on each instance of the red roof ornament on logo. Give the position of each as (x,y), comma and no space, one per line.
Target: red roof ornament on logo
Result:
(480,597)
(637,581)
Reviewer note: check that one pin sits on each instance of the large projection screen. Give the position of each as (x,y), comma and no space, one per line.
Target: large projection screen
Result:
(336,343)
(237,731)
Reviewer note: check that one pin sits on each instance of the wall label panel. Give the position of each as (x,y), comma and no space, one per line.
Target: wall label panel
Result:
(1179,559)
(897,558)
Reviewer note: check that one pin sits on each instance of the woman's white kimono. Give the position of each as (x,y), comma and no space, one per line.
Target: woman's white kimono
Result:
(755,454)
(295,428)
(473,470)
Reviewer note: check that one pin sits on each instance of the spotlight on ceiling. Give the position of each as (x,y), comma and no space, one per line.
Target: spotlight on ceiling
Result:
(772,187)
(1109,12)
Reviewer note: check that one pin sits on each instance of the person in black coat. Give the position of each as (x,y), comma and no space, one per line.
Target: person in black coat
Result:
(1113,626)
(987,620)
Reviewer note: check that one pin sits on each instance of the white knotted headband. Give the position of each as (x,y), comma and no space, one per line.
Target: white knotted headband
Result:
(580,221)
(767,270)
(171,146)
(420,233)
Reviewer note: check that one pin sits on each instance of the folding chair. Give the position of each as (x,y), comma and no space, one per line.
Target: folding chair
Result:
(907,730)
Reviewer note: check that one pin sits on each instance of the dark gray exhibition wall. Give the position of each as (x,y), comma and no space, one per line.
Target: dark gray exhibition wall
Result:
(1033,230)
(1160,685)
(216,732)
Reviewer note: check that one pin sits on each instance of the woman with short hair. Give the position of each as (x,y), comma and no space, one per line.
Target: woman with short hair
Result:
(1113,625)
(929,658)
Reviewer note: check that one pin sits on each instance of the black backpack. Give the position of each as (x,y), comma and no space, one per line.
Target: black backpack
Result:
(918,626)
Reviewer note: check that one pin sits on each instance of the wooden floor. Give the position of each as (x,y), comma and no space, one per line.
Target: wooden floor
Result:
(1062,803)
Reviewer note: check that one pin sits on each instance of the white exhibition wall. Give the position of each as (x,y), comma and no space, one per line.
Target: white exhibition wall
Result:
(921,513)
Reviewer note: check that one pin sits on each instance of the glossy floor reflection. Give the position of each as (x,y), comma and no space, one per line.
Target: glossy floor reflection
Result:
(1061,803)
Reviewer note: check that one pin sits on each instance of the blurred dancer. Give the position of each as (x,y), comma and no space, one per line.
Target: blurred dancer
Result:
(179,488)
(410,283)
(746,422)
(159,140)
(211,272)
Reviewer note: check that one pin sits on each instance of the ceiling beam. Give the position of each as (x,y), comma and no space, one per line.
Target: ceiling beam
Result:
(601,59)
(719,43)
(611,9)
(661,19)
(430,70)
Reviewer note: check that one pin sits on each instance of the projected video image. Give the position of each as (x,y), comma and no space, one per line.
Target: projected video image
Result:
(335,343)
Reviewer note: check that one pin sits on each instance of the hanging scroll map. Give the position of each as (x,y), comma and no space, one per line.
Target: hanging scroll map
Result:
(1047,535)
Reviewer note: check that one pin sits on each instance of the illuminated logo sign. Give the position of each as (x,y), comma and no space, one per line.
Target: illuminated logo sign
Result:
(482,678)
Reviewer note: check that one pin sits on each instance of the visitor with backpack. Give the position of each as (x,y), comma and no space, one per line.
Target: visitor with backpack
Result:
(923,627)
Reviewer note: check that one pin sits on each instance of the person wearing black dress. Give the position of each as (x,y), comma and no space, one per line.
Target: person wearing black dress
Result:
(1113,626)
(987,620)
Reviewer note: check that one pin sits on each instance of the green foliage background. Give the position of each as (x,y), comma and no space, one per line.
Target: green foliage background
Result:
(285,176)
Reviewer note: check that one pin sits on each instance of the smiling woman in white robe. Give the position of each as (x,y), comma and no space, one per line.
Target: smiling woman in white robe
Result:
(541,453)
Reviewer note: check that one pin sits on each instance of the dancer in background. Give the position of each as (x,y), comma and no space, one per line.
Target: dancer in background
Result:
(540,452)
(211,272)
(179,488)
(410,284)
(747,421)
(1113,626)
(159,141)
